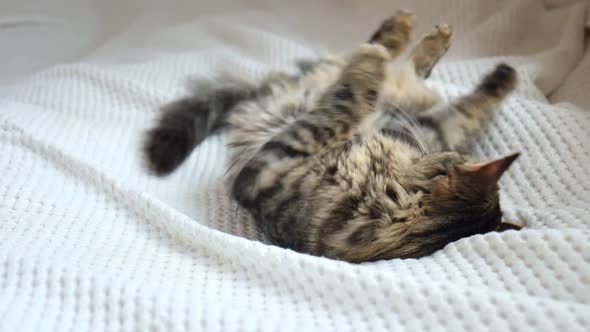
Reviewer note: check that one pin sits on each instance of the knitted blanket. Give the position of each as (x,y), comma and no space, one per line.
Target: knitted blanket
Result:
(90,242)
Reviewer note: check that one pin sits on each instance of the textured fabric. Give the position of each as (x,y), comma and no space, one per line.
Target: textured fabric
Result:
(89,241)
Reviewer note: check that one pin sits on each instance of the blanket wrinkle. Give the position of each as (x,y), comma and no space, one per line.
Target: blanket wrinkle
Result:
(90,242)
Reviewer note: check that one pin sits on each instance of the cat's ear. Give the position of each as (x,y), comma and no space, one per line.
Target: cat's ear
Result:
(491,171)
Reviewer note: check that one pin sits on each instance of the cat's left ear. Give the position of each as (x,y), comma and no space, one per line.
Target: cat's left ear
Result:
(491,171)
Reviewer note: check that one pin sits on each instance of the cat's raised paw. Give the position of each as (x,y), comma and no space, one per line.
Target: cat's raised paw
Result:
(501,81)
(439,38)
(395,32)
(431,48)
(444,30)
(404,18)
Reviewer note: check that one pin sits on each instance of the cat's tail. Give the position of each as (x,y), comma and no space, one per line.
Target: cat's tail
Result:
(185,123)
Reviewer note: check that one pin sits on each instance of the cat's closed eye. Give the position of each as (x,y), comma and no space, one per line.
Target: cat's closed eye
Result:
(442,172)
(439,172)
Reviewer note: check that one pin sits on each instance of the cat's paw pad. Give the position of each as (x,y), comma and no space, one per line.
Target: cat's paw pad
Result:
(501,81)
(403,19)
(442,35)
(375,50)
(444,30)
(396,31)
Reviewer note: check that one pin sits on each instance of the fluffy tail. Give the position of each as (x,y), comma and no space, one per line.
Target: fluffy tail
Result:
(186,123)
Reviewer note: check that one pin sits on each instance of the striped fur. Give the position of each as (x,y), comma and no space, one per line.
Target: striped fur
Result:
(356,158)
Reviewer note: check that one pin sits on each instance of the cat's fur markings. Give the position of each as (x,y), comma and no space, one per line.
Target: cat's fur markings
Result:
(355,158)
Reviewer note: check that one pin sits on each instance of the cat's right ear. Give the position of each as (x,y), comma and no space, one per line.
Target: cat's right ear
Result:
(491,171)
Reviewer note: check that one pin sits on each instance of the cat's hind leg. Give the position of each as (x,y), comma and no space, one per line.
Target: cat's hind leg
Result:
(458,122)
(185,123)
(395,33)
(430,49)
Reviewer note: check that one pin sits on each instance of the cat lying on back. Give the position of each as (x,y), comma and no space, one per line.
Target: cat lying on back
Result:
(353,158)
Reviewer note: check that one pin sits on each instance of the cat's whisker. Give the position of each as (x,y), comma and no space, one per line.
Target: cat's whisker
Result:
(408,122)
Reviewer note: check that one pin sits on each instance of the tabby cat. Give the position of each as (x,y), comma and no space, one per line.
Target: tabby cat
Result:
(354,157)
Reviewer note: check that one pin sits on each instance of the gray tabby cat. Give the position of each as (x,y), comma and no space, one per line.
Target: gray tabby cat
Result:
(354,158)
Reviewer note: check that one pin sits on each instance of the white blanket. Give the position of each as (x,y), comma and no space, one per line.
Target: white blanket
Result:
(89,241)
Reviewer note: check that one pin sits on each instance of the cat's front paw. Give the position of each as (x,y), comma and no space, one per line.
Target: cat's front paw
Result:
(436,164)
(420,175)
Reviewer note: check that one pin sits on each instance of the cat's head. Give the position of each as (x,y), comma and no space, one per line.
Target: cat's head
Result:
(464,201)
(460,200)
